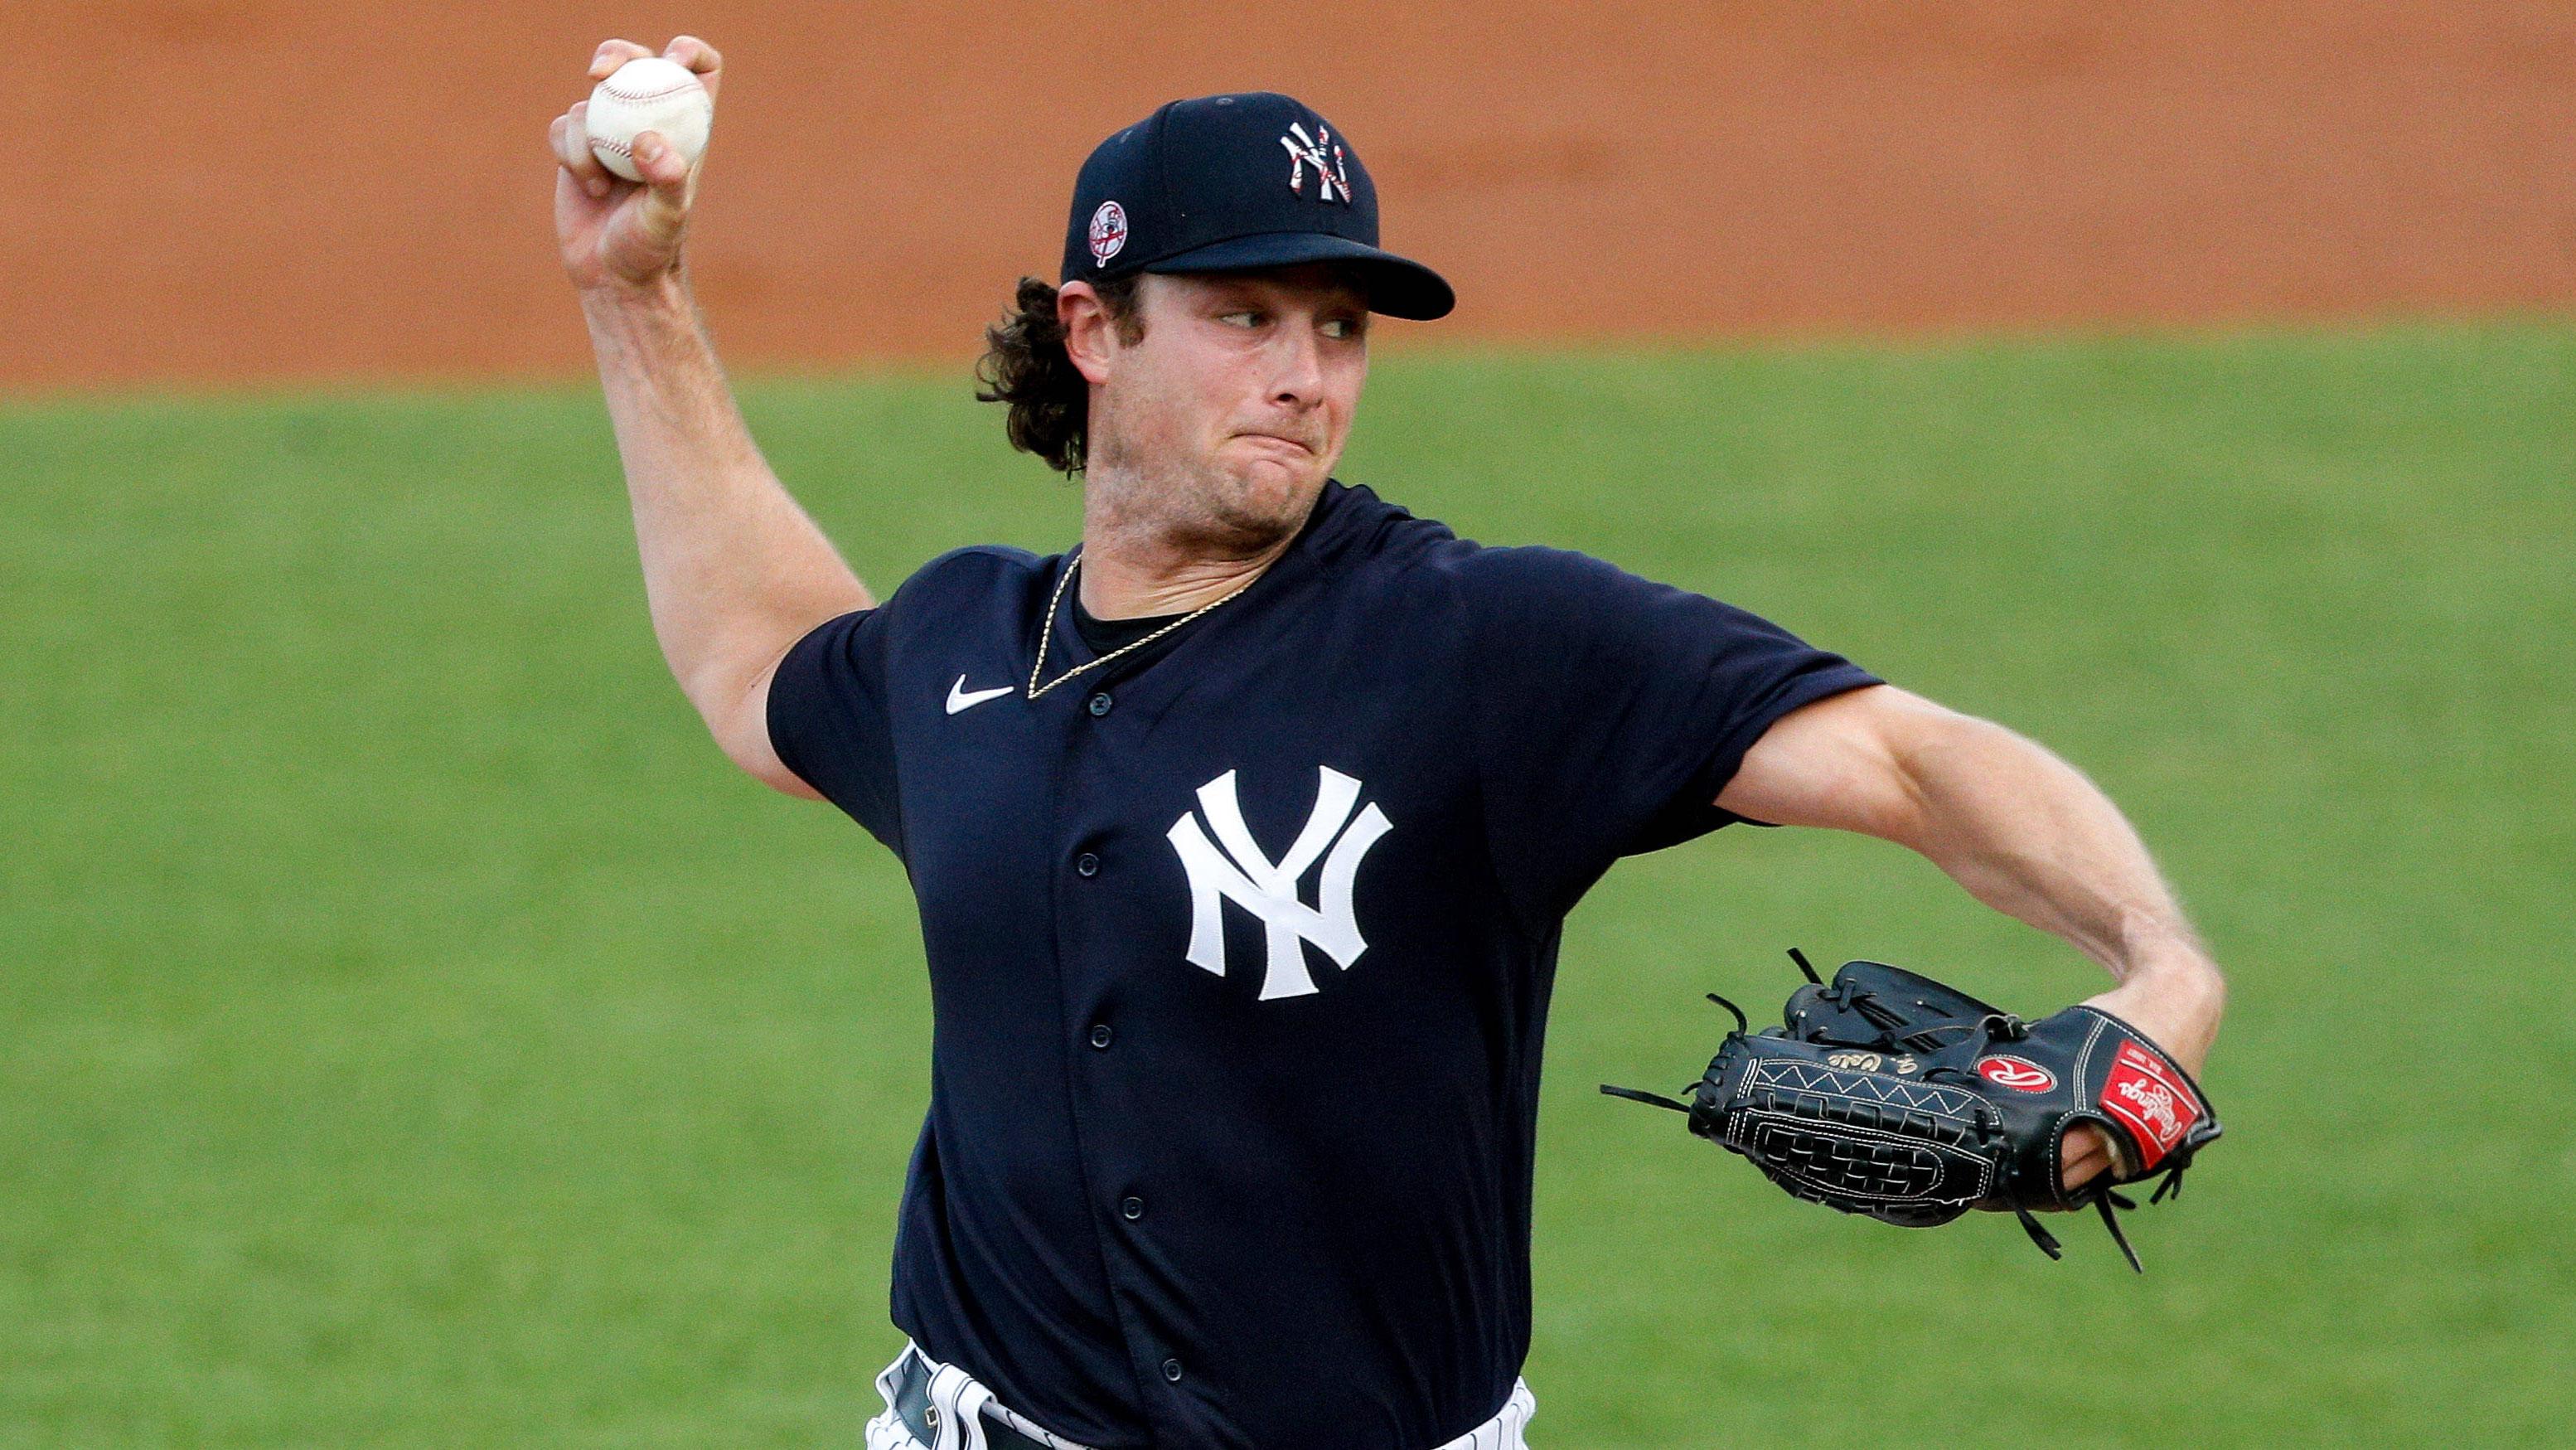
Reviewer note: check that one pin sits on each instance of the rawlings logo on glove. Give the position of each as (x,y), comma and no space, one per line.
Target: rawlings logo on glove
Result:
(2153,1100)
(1884,1094)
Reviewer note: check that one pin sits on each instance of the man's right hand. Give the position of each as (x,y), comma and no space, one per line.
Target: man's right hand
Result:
(616,233)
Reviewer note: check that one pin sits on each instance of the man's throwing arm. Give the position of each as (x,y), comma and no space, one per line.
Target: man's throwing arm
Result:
(734,570)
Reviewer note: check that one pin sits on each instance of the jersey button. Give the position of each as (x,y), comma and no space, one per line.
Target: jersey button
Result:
(1172,1370)
(1100,1034)
(1132,1206)
(1086,864)
(1100,704)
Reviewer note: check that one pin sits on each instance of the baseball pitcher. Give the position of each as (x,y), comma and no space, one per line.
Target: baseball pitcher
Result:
(1243,830)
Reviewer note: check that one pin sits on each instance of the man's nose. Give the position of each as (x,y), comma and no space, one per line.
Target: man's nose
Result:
(1299,381)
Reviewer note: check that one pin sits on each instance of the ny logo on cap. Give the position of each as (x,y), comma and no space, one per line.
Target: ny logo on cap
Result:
(1234,868)
(1321,152)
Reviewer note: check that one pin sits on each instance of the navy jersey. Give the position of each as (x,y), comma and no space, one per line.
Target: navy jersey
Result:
(1240,953)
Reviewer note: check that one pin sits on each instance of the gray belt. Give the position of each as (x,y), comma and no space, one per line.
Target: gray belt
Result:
(912,1406)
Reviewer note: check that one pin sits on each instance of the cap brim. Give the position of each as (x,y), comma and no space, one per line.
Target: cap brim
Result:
(1396,286)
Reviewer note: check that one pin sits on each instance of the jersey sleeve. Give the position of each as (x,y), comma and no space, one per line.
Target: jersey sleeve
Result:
(828,721)
(1611,710)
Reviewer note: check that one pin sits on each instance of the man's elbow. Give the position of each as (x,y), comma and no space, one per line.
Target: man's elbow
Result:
(775,776)
(737,715)
(744,738)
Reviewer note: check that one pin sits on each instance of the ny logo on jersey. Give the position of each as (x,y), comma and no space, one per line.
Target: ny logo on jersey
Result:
(1240,873)
(1331,181)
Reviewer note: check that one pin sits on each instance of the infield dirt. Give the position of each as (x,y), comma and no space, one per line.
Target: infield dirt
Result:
(232,191)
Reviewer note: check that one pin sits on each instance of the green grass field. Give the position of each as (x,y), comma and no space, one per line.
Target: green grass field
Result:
(414,1034)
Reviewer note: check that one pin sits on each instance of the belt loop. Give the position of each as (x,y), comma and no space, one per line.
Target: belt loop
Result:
(961,1404)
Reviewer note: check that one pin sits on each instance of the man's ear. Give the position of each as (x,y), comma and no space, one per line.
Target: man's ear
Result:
(1090,338)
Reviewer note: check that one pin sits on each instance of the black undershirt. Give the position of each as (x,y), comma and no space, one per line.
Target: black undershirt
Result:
(1104,635)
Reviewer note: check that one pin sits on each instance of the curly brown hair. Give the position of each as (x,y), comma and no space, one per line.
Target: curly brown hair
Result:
(1025,366)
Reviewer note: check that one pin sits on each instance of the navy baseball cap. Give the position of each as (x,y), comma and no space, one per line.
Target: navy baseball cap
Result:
(1230,183)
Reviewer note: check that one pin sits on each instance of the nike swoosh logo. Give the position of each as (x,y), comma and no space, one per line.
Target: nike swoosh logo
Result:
(961,698)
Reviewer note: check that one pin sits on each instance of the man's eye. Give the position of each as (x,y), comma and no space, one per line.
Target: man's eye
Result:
(1248,319)
(1341,327)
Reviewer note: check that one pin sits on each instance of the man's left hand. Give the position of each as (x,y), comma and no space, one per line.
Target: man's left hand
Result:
(2176,1006)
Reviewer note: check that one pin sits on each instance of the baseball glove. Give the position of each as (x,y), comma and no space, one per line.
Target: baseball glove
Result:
(1896,1096)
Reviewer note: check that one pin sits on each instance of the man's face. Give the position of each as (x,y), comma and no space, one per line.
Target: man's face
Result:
(1225,418)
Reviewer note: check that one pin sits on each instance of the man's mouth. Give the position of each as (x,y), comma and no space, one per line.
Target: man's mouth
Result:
(1299,444)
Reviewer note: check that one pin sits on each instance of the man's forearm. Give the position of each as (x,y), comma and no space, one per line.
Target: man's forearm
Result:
(2027,834)
(734,571)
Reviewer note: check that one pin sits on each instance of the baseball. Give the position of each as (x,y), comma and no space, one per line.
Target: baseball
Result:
(648,94)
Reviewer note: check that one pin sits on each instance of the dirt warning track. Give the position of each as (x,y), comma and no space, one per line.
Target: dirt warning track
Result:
(232,191)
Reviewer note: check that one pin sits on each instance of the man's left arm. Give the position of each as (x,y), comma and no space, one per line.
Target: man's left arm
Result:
(2022,830)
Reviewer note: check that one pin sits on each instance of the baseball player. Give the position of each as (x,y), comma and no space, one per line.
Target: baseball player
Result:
(1243,831)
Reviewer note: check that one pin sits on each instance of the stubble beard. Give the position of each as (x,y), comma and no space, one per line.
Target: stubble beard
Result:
(1203,509)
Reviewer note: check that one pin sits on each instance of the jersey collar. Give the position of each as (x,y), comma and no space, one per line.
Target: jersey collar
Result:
(1341,513)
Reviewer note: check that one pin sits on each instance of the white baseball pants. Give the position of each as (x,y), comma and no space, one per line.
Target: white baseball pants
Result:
(963,1403)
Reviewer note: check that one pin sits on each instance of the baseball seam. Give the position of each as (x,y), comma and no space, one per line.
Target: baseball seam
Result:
(631,97)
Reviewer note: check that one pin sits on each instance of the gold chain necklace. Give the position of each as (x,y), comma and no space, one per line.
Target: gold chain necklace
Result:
(1046,633)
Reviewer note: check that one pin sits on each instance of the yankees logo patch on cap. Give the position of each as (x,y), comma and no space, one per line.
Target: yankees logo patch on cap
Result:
(1108,232)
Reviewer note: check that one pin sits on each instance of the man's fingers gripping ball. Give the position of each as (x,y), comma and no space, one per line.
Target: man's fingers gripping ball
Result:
(700,57)
(612,54)
(644,101)
(688,50)
(571,142)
